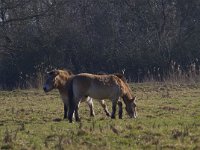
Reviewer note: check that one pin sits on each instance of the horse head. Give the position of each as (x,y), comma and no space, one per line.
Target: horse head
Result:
(131,108)
(51,81)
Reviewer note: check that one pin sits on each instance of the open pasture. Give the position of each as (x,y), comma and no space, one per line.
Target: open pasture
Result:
(168,118)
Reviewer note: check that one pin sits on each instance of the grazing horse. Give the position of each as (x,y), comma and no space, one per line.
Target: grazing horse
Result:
(100,87)
(58,79)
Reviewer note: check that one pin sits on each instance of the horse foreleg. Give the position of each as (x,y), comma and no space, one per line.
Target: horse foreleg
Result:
(114,103)
(102,102)
(120,109)
(72,107)
(65,111)
(91,106)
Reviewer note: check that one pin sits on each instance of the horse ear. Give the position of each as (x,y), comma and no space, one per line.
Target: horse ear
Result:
(54,72)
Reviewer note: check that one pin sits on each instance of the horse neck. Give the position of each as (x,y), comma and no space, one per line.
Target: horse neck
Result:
(127,96)
(62,83)
(126,91)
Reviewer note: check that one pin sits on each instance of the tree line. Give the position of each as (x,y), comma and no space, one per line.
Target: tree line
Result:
(143,37)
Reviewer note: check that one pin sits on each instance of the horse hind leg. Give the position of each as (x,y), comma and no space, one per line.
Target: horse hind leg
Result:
(102,102)
(91,106)
(77,118)
(73,108)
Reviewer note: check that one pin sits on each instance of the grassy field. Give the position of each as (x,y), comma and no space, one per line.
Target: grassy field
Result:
(168,118)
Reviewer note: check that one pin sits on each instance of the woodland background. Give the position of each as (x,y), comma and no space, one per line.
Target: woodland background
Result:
(153,40)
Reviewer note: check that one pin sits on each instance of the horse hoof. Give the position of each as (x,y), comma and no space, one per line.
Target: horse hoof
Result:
(70,120)
(112,117)
(92,115)
(78,120)
(108,114)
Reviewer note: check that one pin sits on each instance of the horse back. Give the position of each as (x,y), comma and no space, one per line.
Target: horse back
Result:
(96,86)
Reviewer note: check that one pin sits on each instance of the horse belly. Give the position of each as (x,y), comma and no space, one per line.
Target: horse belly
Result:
(102,92)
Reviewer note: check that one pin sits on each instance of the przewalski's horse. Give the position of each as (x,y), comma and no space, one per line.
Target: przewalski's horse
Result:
(58,79)
(100,87)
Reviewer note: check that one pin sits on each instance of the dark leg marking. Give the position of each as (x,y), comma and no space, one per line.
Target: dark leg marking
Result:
(77,118)
(120,109)
(65,111)
(113,110)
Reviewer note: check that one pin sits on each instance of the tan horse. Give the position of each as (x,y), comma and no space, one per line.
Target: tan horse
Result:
(100,87)
(58,79)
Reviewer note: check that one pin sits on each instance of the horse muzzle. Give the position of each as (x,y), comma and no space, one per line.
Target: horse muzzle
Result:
(45,89)
(134,116)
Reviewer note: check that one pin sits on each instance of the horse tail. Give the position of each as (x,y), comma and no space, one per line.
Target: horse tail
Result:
(121,76)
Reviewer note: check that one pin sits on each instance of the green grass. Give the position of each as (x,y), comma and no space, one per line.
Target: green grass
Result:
(168,118)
